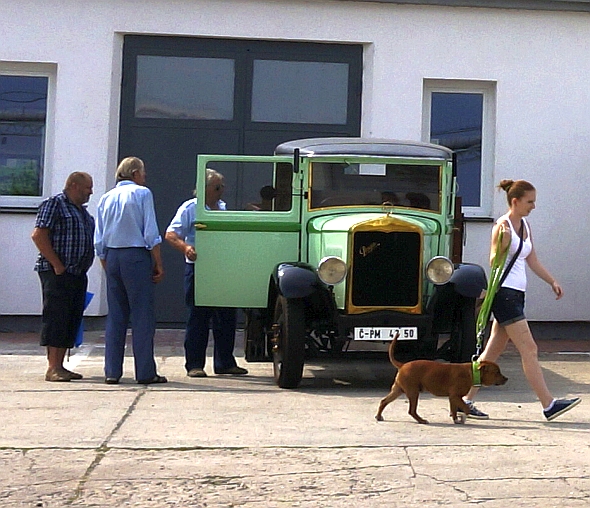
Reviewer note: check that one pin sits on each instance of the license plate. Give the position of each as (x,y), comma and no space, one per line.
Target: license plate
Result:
(385,333)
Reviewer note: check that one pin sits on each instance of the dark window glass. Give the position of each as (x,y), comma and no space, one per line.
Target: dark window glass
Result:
(256,186)
(300,92)
(184,88)
(23,110)
(456,122)
(354,184)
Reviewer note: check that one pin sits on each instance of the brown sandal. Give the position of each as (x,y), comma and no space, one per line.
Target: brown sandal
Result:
(57,376)
(73,375)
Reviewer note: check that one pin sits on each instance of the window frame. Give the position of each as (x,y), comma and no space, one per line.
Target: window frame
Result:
(49,71)
(488,142)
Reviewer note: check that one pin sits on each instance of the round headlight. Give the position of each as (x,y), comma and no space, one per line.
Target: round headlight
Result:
(331,270)
(439,270)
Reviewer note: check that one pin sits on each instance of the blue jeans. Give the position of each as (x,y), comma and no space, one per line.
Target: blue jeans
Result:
(130,295)
(223,322)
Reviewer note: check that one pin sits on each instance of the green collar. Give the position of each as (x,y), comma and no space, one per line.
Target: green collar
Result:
(476,373)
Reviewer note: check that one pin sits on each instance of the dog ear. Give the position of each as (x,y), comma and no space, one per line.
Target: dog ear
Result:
(484,365)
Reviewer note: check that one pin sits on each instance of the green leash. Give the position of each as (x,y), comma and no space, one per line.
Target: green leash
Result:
(486,306)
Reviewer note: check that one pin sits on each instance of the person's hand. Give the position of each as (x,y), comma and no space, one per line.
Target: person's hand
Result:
(59,270)
(506,234)
(157,273)
(557,289)
(190,253)
(505,228)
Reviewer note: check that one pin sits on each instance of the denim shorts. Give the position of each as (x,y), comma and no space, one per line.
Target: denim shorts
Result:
(508,306)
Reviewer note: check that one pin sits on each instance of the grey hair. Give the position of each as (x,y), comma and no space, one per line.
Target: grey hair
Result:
(127,167)
(211,174)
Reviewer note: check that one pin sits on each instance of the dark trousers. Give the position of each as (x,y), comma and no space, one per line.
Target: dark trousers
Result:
(63,305)
(130,295)
(223,322)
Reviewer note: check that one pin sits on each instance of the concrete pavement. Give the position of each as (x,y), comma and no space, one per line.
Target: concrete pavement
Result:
(226,442)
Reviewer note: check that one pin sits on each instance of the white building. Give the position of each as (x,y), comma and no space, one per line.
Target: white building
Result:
(519,69)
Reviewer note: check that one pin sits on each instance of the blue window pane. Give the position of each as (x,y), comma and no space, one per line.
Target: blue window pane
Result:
(23,110)
(456,122)
(184,88)
(300,92)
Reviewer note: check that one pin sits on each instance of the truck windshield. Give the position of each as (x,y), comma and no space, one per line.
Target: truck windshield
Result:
(335,184)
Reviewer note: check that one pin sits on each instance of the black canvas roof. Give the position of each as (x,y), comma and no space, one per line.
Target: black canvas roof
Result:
(363,146)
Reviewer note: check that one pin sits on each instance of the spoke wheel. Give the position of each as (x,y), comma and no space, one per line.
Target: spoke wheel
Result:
(289,342)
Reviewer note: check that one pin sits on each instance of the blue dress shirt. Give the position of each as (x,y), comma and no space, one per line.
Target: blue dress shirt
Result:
(126,218)
(183,223)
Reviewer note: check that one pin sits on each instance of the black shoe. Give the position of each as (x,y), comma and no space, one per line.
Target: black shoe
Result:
(112,380)
(154,380)
(560,406)
(196,373)
(233,371)
(475,413)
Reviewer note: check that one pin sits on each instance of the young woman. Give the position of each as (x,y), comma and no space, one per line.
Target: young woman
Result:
(508,305)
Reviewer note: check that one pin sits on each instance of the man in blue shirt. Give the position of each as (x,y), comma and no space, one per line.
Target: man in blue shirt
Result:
(181,235)
(127,241)
(63,234)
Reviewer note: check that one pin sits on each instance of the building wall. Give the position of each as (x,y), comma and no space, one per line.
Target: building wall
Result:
(538,60)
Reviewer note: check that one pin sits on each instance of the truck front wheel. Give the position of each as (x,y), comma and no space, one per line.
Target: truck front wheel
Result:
(288,342)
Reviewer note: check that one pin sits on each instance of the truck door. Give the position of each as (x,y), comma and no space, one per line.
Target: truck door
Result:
(238,248)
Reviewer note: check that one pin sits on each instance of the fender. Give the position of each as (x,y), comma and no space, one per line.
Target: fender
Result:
(469,280)
(296,280)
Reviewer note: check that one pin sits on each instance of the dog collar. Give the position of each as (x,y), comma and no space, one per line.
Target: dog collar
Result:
(476,373)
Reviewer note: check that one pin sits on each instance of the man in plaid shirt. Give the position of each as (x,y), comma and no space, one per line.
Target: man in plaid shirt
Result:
(64,235)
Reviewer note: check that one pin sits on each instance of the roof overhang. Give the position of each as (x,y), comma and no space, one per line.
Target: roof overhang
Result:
(537,5)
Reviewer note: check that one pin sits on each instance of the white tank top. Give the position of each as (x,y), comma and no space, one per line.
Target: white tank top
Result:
(516,278)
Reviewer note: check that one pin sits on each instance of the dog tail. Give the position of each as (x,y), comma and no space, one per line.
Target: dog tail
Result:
(397,364)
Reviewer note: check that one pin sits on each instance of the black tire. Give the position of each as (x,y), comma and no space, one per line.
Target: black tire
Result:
(255,347)
(289,343)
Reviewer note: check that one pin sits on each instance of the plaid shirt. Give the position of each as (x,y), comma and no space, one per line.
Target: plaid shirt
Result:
(71,231)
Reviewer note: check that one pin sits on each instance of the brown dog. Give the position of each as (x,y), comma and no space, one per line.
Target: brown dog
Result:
(452,380)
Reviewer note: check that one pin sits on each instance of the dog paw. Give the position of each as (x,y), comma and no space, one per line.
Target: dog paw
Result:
(379,418)
(460,418)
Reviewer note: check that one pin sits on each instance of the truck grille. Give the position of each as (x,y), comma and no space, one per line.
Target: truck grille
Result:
(385,269)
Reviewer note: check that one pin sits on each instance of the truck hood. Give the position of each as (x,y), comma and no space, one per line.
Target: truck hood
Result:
(344,223)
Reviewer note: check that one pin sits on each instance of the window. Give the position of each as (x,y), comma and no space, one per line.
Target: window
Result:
(256,186)
(461,115)
(300,92)
(354,184)
(23,122)
(184,88)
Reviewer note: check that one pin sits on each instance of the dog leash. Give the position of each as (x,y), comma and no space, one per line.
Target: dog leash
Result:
(484,311)
(494,282)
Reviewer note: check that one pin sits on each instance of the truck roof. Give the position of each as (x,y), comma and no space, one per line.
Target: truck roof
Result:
(363,146)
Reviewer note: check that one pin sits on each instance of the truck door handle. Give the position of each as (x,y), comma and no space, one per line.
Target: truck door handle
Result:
(198,225)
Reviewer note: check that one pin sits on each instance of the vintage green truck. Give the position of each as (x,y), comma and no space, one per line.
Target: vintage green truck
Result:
(333,240)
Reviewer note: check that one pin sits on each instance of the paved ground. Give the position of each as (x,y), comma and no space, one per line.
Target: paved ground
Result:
(227,442)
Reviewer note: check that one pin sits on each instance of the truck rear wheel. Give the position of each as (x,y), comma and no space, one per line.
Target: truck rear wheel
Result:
(288,342)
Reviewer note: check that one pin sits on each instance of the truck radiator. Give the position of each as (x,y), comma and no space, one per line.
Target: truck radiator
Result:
(386,269)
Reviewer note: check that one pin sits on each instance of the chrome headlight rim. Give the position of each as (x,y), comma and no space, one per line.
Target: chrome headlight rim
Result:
(439,270)
(332,270)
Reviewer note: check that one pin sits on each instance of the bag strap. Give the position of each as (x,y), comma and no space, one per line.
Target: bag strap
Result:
(516,254)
